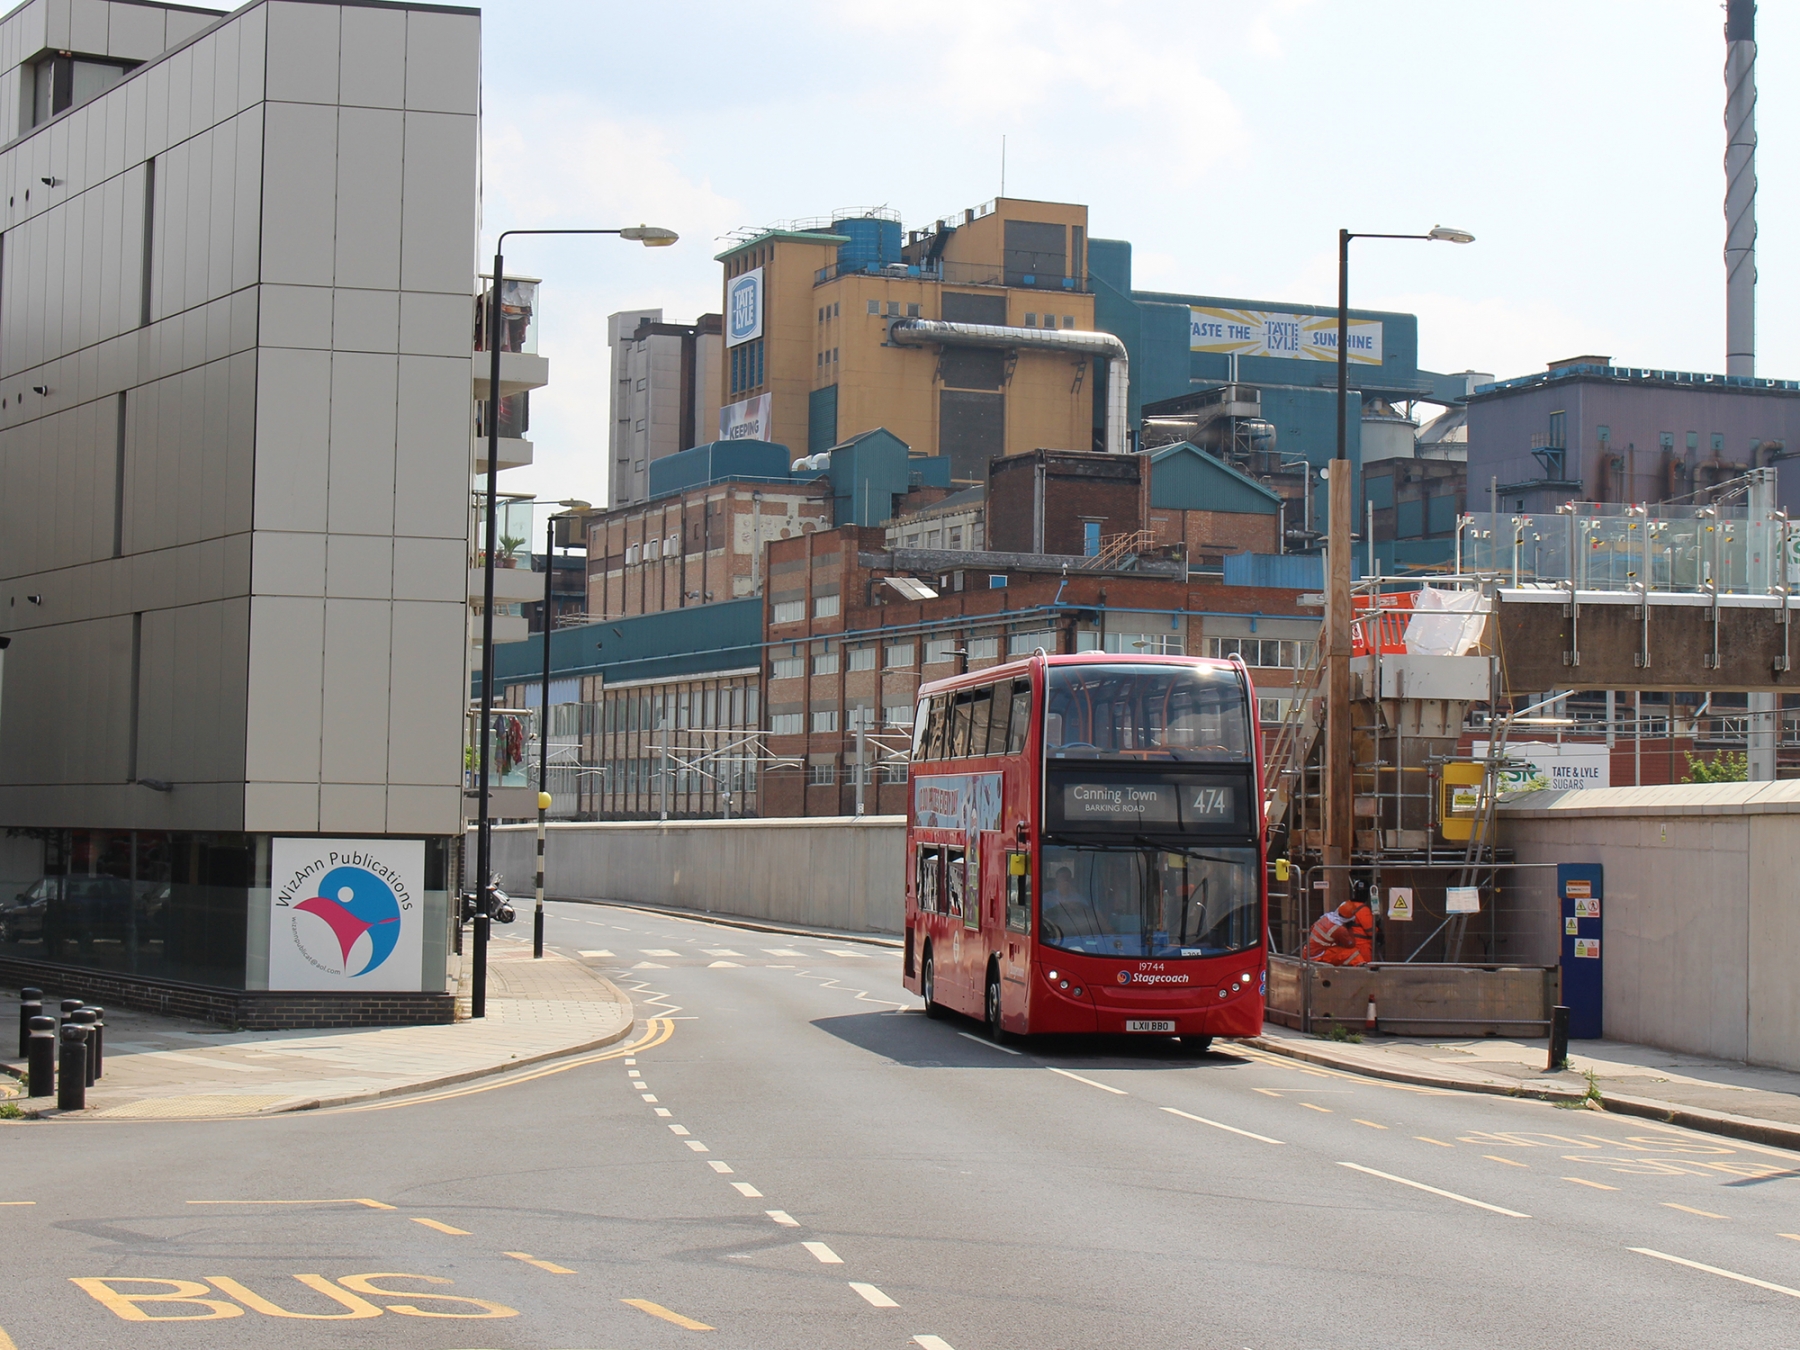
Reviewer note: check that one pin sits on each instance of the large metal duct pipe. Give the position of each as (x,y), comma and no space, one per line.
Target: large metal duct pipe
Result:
(1740,187)
(934,332)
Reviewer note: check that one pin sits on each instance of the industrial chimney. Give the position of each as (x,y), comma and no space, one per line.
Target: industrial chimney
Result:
(1740,187)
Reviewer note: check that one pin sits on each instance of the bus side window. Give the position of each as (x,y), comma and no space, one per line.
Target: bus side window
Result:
(962,712)
(936,737)
(928,878)
(1002,703)
(981,703)
(1021,716)
(953,872)
(921,729)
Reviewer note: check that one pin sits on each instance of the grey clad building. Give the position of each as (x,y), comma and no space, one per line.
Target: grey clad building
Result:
(236,297)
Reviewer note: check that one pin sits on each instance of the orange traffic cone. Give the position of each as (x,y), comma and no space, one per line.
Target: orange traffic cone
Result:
(1369,1016)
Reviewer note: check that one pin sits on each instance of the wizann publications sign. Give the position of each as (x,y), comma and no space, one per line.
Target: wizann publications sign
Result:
(345,914)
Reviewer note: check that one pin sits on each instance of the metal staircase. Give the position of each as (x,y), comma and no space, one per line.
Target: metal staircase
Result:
(1285,759)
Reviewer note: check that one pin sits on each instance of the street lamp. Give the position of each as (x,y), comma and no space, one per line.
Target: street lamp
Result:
(651,236)
(1339,798)
(574,507)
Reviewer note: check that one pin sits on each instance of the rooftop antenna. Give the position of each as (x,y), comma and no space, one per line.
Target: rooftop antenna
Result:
(1740,187)
(1003,164)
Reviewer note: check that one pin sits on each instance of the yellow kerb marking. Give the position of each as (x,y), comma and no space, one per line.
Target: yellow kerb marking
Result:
(657,1310)
(1597,1185)
(1689,1209)
(531,1260)
(442,1227)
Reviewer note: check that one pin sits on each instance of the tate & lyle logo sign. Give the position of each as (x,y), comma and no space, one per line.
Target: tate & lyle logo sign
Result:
(744,307)
(345,914)
(1292,337)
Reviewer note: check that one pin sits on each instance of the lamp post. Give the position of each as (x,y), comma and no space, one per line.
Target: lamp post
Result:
(651,236)
(1339,766)
(575,507)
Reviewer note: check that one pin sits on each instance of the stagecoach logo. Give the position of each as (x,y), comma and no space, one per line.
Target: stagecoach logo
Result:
(1149,977)
(344,914)
(1124,977)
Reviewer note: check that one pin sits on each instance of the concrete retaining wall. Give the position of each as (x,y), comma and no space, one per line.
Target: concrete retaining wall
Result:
(1701,935)
(820,872)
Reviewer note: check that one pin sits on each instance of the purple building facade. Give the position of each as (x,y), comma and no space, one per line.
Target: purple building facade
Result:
(1593,431)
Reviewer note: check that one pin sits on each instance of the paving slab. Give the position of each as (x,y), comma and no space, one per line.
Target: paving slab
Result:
(168,1068)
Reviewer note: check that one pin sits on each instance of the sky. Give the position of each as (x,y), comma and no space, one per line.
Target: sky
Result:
(1581,142)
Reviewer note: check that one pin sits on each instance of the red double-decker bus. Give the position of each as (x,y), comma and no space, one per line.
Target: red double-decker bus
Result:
(1084,848)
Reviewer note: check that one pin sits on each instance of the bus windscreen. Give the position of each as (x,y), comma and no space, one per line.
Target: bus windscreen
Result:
(1146,712)
(1138,901)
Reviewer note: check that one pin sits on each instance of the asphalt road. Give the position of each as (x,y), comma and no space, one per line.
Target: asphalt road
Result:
(787,1154)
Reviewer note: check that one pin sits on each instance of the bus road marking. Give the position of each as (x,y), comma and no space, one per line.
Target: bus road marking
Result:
(1311,1107)
(1448,1195)
(1218,1125)
(1597,1185)
(983,1040)
(657,1310)
(442,1227)
(1715,1270)
(873,1295)
(531,1260)
(1510,1162)
(824,1254)
(1117,1092)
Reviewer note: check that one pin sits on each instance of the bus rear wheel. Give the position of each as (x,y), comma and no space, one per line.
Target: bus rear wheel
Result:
(928,985)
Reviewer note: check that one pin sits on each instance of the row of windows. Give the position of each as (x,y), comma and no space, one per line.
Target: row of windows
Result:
(826,358)
(652,549)
(646,710)
(893,309)
(1267,653)
(830,311)
(826,774)
(989,720)
(1031,320)
(792,667)
(825,720)
(793,611)
(746,366)
(652,774)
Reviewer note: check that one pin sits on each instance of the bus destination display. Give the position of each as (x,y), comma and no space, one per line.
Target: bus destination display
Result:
(1139,803)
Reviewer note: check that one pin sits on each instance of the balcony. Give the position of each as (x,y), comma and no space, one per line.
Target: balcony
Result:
(515,452)
(512,586)
(507,628)
(519,372)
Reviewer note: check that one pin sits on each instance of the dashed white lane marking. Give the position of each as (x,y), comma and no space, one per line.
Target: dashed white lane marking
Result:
(1715,1270)
(658,951)
(982,1040)
(1219,1125)
(634,1073)
(1117,1092)
(833,951)
(648,965)
(679,1129)
(661,1110)
(720,951)
(718,1166)
(873,1295)
(723,965)
(630,1062)
(782,1217)
(697,1146)
(745,1188)
(1448,1195)
(593,953)
(932,1343)
(782,951)
(823,1253)
(650,1097)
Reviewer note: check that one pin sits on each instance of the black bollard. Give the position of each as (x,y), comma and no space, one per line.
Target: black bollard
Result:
(1559,1040)
(31,1004)
(69,1005)
(84,1018)
(71,1069)
(40,1076)
(97,1041)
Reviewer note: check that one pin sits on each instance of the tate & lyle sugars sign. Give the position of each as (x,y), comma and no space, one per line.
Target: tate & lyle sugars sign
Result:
(1294,337)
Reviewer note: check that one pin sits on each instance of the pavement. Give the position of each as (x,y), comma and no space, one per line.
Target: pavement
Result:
(1718,1096)
(165,1068)
(788,1153)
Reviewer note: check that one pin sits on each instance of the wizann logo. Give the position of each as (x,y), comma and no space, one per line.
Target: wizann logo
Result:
(351,926)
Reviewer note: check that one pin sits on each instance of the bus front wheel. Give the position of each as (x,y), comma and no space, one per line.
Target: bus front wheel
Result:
(996,1032)
(928,985)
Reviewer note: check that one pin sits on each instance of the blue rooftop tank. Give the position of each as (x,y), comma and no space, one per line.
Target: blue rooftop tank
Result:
(874,242)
